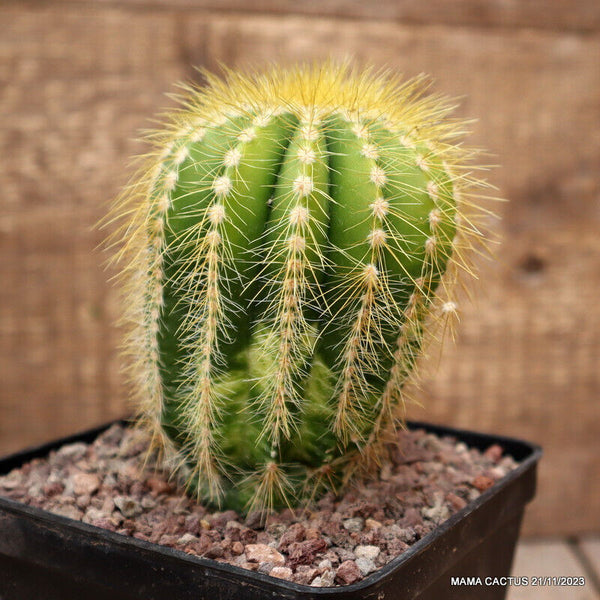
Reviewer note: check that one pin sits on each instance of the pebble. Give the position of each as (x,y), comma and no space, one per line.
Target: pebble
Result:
(168,540)
(205,524)
(396,546)
(108,505)
(83,501)
(437,513)
(52,489)
(85,483)
(104,524)
(305,574)
(111,437)
(474,494)
(237,548)
(148,503)
(483,482)
(304,553)
(412,517)
(67,510)
(432,442)
(254,519)
(261,553)
(406,534)
(93,514)
(216,550)
(11,481)
(294,533)
(498,472)
(281,573)
(276,529)
(128,506)
(344,554)
(348,572)
(461,448)
(110,481)
(158,485)
(326,579)
(355,524)
(372,524)
(368,552)
(365,566)
(70,453)
(187,538)
(265,568)
(457,502)
(494,452)
(340,541)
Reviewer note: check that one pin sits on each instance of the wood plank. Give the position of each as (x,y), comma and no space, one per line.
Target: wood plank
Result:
(76,88)
(590,546)
(561,15)
(78,82)
(552,558)
(60,371)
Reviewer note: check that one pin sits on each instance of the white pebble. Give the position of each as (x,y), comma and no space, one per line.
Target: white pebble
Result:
(365,565)
(369,552)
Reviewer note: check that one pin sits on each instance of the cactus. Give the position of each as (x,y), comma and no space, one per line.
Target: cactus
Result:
(288,242)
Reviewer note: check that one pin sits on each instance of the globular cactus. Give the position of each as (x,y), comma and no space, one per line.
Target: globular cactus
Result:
(287,240)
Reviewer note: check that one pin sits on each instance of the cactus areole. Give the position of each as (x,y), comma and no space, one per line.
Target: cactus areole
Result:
(289,242)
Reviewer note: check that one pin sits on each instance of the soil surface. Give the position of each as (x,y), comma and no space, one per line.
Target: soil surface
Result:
(338,542)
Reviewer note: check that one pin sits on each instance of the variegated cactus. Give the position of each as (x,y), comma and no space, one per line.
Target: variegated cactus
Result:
(289,240)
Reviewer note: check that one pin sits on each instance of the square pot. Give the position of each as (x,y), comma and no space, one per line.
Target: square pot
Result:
(49,557)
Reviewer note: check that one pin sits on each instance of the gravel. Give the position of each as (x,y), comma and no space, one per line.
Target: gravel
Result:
(338,541)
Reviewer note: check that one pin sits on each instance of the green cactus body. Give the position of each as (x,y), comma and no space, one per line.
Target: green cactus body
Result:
(289,241)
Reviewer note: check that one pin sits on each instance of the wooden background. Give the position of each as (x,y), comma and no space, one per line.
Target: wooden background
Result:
(79,79)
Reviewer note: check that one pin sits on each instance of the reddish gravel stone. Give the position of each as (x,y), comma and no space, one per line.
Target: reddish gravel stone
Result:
(456,501)
(248,536)
(158,485)
(104,524)
(412,518)
(334,530)
(85,483)
(237,548)
(215,551)
(348,573)
(304,553)
(261,553)
(192,524)
(494,452)
(396,546)
(53,489)
(294,533)
(281,573)
(483,482)
(337,542)
(305,574)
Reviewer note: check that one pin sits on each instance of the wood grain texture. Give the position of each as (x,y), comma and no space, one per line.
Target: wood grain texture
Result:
(79,80)
(589,547)
(577,15)
(76,88)
(549,558)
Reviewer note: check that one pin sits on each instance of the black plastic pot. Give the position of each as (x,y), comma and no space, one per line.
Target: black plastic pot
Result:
(48,557)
